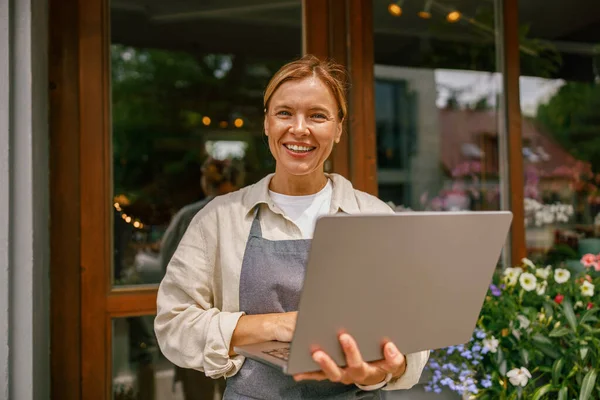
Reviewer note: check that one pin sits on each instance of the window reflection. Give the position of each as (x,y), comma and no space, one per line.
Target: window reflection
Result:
(436,105)
(187,80)
(560,100)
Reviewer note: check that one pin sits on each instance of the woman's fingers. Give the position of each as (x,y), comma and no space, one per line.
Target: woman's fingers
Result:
(356,368)
(328,366)
(394,362)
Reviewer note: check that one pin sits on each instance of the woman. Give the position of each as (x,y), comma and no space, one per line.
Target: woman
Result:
(236,276)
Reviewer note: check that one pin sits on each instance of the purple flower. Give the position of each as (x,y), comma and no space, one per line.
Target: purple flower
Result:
(495,290)
(486,383)
(479,334)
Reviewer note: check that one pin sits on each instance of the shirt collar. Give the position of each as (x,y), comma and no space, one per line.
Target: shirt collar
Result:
(343,197)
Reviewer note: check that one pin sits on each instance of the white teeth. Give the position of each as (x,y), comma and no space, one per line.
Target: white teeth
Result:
(294,147)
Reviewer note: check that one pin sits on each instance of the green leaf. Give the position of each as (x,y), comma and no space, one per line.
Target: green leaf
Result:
(588,385)
(583,352)
(572,373)
(542,339)
(541,392)
(589,316)
(560,331)
(499,356)
(548,350)
(586,327)
(503,367)
(570,314)
(525,357)
(557,369)
(563,393)
(549,309)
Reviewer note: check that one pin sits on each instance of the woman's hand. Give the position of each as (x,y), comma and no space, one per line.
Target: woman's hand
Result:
(357,370)
(283,326)
(260,328)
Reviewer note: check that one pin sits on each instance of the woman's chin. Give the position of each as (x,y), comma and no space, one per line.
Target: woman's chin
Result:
(300,171)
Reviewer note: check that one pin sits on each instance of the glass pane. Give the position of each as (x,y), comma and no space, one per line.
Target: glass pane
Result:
(141,372)
(436,104)
(560,102)
(187,83)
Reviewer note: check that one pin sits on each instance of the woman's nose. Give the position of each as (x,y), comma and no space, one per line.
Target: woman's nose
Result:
(299,126)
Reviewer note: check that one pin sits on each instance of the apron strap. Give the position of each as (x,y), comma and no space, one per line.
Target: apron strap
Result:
(255,230)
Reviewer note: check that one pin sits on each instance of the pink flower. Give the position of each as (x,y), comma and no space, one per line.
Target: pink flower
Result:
(589,260)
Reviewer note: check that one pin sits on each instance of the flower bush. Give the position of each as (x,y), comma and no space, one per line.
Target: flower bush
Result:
(537,337)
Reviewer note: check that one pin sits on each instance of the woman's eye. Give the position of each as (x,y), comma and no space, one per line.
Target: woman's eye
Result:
(284,113)
(319,116)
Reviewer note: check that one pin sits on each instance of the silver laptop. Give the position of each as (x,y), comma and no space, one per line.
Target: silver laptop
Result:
(418,279)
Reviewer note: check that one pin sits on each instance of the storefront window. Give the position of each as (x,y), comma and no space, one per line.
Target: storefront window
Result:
(560,101)
(141,372)
(187,80)
(437,88)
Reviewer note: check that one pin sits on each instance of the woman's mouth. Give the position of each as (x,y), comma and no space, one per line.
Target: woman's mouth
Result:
(294,148)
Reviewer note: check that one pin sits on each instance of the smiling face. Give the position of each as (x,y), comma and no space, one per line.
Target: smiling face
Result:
(302,123)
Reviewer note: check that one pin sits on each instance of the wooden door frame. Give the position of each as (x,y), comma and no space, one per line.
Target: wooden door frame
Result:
(513,140)
(65,292)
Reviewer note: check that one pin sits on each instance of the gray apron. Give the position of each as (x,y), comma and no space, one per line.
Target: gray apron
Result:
(271,280)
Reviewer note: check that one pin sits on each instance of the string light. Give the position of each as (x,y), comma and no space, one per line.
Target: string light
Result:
(453,16)
(238,122)
(223,124)
(128,218)
(395,8)
(206,121)
(425,13)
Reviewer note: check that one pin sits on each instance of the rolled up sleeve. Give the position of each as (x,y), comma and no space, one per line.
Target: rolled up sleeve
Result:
(191,332)
(415,362)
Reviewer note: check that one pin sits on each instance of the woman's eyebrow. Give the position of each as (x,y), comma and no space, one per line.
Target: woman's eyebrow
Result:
(320,108)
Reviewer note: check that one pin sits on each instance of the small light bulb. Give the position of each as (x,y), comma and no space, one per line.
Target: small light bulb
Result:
(395,9)
(453,16)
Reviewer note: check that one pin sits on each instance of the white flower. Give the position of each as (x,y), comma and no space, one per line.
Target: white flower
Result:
(528,262)
(523,321)
(579,304)
(543,273)
(511,276)
(587,289)
(528,281)
(519,376)
(561,275)
(541,287)
(491,344)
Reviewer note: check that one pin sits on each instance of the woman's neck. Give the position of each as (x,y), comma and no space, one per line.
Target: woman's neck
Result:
(298,185)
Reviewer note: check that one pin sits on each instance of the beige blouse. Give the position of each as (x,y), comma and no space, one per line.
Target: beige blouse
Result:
(198,299)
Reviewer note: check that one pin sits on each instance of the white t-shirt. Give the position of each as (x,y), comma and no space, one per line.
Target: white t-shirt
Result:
(304,210)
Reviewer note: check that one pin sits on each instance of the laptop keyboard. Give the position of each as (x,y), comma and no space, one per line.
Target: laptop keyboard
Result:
(282,353)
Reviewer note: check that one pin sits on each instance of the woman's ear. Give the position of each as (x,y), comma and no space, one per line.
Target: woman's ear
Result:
(339,130)
(266,126)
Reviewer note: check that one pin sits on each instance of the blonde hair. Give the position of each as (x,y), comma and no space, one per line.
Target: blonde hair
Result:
(333,75)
